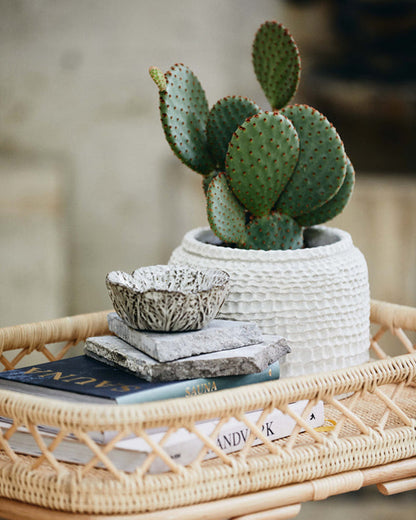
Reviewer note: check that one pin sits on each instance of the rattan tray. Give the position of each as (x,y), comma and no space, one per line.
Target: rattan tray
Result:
(372,439)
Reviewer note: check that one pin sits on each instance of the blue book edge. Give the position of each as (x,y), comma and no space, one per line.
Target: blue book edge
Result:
(88,377)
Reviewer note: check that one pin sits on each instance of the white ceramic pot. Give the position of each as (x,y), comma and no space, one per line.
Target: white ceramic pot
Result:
(316,297)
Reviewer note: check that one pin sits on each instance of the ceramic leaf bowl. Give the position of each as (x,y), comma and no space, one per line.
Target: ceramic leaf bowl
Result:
(168,297)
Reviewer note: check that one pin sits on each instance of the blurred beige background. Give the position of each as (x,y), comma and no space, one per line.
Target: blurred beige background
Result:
(88,183)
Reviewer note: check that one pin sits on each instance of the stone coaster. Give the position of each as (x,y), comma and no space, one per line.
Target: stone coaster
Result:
(168,346)
(238,361)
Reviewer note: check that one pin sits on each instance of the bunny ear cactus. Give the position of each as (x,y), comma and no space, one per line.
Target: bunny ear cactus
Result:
(274,231)
(261,157)
(266,175)
(276,62)
(184,114)
(321,165)
(198,136)
(335,205)
(224,118)
(227,217)
(273,184)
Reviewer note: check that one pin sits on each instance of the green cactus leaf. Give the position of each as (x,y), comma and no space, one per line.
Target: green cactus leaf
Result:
(274,231)
(261,157)
(334,206)
(276,62)
(223,120)
(226,216)
(321,168)
(184,113)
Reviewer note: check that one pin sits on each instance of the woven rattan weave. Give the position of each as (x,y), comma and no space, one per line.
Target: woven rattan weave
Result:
(370,438)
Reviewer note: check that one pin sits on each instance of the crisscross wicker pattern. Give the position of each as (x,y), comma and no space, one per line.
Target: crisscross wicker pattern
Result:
(373,424)
(37,336)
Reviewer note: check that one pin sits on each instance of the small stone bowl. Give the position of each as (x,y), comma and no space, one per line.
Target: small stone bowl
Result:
(168,298)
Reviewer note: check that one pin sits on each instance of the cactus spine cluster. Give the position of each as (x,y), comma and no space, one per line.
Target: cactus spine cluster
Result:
(266,174)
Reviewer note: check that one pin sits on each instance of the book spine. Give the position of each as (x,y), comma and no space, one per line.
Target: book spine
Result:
(187,388)
(183,446)
(71,450)
(193,387)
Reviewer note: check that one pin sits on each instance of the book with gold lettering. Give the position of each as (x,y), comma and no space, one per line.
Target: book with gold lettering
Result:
(83,379)
(183,446)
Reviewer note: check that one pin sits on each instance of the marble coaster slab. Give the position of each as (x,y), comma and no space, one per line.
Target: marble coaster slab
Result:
(243,360)
(169,346)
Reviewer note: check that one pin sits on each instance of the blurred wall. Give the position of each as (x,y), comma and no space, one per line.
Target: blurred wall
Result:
(88,183)
(79,124)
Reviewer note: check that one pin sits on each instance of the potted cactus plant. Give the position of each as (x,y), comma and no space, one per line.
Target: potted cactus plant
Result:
(270,179)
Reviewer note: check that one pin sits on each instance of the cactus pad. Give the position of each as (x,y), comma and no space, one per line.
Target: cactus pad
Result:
(226,215)
(184,114)
(335,205)
(223,120)
(321,168)
(274,231)
(261,157)
(276,62)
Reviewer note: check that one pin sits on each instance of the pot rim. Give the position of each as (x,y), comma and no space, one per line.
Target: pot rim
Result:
(195,242)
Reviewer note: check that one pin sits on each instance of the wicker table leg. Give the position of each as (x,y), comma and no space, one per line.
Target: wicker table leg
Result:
(397,486)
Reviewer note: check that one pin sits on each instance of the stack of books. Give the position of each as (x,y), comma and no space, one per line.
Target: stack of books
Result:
(83,379)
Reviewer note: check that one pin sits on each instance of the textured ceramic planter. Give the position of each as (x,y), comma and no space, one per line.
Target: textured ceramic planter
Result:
(316,297)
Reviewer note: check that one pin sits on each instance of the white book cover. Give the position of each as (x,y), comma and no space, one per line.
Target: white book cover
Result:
(182,446)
